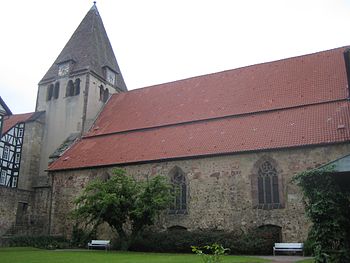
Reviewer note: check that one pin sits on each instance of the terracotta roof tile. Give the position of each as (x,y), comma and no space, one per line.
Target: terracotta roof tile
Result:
(288,103)
(12,120)
(286,83)
(315,124)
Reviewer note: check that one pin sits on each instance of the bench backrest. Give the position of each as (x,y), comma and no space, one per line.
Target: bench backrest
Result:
(289,245)
(100,242)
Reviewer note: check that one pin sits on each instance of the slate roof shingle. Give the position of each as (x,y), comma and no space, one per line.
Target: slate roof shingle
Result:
(90,48)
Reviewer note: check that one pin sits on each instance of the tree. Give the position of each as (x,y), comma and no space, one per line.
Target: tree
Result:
(122,200)
(328,208)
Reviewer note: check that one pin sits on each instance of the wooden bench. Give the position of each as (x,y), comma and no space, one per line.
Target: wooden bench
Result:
(288,247)
(99,243)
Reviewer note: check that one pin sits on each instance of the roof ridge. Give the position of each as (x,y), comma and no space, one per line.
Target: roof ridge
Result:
(212,119)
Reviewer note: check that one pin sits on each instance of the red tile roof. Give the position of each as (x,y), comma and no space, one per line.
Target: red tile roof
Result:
(288,103)
(12,120)
(280,84)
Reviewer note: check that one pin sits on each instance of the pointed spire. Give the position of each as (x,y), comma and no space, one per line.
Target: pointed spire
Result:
(88,48)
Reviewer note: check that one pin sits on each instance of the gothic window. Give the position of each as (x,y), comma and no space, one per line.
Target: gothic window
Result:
(267,185)
(70,89)
(77,87)
(179,191)
(49,92)
(56,90)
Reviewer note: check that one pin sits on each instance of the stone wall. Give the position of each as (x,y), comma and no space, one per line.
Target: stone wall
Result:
(11,198)
(30,158)
(221,190)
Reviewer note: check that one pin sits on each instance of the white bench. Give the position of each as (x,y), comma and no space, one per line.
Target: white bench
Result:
(99,243)
(288,247)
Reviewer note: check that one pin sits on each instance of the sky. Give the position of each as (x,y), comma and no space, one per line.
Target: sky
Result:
(158,41)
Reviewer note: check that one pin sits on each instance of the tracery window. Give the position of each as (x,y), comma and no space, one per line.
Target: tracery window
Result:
(268,190)
(179,191)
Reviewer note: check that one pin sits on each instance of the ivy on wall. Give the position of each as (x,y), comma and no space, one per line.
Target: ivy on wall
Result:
(327,205)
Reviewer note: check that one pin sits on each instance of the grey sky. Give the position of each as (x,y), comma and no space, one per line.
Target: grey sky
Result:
(157,41)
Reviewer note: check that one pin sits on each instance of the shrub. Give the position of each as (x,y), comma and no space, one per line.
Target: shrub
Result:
(46,242)
(180,241)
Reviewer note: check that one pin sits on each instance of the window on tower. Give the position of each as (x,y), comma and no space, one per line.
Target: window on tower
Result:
(56,90)
(70,89)
(49,92)
(77,87)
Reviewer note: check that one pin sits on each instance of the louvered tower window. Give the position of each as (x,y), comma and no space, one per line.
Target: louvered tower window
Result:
(268,193)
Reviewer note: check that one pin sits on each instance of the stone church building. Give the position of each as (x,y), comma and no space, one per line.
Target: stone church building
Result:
(231,141)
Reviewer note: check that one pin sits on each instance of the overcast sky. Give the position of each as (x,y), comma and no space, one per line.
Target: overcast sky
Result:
(157,41)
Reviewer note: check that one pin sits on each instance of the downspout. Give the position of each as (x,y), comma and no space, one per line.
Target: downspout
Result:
(86,95)
(50,207)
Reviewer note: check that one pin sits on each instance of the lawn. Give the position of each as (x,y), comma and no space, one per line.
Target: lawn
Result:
(33,255)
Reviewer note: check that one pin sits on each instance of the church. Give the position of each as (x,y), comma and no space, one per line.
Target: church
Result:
(231,141)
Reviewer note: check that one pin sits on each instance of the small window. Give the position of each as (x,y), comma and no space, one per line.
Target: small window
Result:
(17,157)
(105,95)
(77,87)
(49,92)
(14,181)
(6,152)
(70,89)
(3,177)
(20,133)
(101,92)
(56,90)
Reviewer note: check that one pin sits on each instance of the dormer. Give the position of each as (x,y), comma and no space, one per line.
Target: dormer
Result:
(65,67)
(110,76)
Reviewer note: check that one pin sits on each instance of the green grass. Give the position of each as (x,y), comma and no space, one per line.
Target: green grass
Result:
(306,261)
(33,255)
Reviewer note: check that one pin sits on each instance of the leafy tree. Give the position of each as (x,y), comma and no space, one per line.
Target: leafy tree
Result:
(328,207)
(122,200)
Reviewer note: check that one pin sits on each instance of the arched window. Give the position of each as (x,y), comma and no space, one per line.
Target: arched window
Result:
(56,90)
(70,89)
(77,87)
(101,92)
(49,92)
(179,191)
(105,95)
(268,193)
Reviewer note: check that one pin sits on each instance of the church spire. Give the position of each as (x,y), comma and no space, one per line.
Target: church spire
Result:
(88,49)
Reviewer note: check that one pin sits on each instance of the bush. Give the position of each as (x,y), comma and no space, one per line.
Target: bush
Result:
(46,242)
(180,241)
(80,237)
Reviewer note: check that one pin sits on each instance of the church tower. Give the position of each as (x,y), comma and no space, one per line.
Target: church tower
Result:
(76,86)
